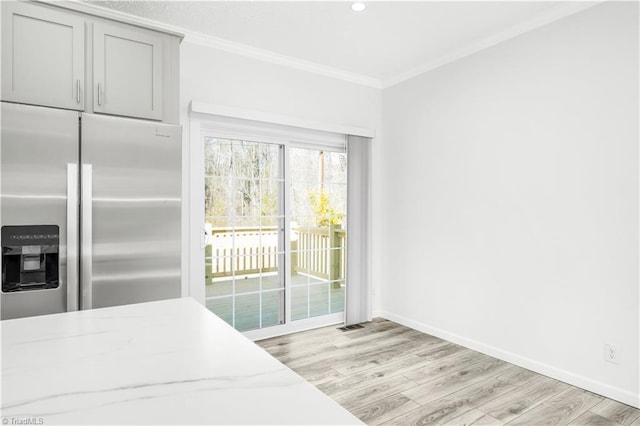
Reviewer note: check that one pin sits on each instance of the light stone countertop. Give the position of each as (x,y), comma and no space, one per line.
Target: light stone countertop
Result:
(166,362)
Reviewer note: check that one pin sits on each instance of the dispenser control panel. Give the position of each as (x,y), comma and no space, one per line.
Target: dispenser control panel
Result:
(30,257)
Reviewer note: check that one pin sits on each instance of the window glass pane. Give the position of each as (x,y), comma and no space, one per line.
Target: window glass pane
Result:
(335,167)
(246,160)
(298,276)
(217,192)
(247,312)
(299,302)
(337,296)
(304,165)
(247,201)
(271,281)
(300,205)
(222,307)
(318,299)
(219,287)
(333,211)
(272,313)
(269,245)
(269,160)
(270,191)
(218,158)
(247,284)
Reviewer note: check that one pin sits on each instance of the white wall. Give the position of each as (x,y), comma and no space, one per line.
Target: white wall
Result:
(510,186)
(221,78)
(505,189)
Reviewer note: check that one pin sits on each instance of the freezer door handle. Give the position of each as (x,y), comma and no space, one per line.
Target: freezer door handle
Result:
(72,237)
(86,237)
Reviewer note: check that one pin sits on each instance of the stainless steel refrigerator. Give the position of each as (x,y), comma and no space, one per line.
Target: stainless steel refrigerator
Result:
(90,210)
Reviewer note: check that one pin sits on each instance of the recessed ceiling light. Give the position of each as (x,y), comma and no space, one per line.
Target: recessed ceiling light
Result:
(358,6)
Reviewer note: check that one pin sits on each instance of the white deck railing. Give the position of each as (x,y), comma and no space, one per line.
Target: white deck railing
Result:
(316,251)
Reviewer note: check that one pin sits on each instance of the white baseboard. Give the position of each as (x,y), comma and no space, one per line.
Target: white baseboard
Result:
(583,382)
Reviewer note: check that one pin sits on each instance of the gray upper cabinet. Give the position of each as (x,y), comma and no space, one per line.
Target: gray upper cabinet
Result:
(57,55)
(127,71)
(43,56)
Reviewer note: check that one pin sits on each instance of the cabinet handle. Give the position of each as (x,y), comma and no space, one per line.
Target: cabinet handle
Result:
(78,91)
(99,98)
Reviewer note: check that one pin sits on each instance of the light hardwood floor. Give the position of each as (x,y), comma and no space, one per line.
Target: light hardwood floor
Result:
(389,374)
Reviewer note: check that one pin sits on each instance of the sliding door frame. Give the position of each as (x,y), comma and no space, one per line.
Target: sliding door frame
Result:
(200,129)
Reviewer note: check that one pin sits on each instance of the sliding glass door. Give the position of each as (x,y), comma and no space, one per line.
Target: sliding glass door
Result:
(244,254)
(275,218)
(318,201)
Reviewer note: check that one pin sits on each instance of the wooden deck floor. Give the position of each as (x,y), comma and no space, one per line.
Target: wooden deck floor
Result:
(310,297)
(389,374)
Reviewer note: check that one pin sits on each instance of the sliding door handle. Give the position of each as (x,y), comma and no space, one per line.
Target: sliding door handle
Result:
(86,237)
(72,237)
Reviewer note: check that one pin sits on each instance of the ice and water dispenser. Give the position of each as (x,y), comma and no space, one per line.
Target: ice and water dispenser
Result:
(30,257)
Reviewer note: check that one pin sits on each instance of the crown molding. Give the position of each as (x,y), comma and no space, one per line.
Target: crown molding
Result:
(279,59)
(538,21)
(544,18)
(217,43)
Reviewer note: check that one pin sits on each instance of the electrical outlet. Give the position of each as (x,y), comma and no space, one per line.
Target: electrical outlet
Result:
(611,354)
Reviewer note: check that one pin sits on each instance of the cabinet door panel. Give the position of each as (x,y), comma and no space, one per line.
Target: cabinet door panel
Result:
(42,56)
(127,71)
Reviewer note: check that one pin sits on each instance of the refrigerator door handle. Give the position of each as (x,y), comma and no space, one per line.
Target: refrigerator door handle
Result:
(72,237)
(87,240)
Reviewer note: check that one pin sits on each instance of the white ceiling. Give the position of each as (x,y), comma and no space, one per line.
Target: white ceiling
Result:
(387,42)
